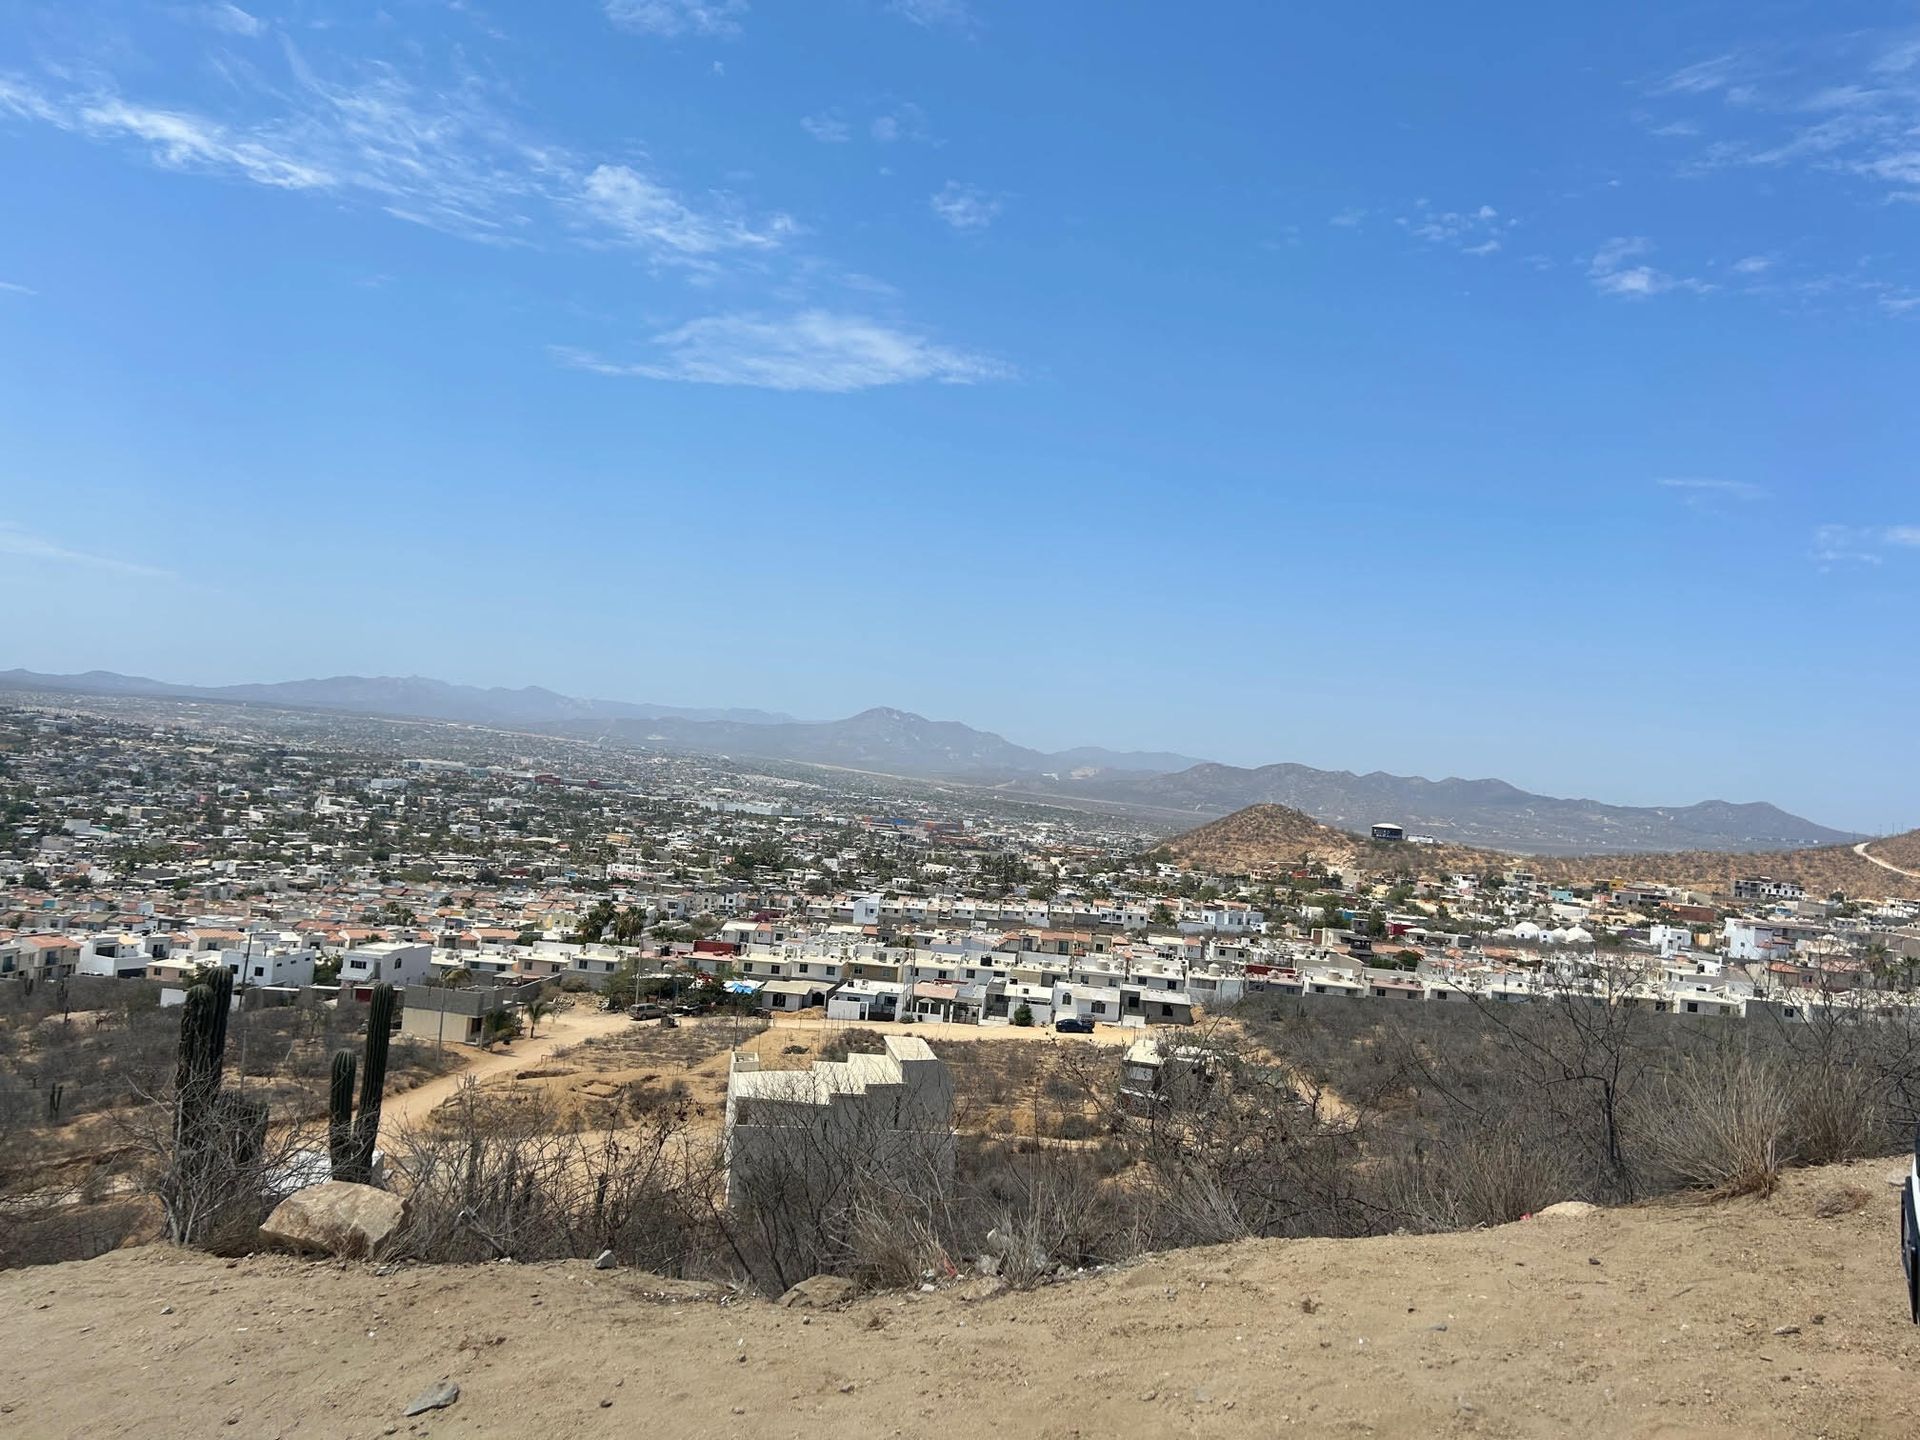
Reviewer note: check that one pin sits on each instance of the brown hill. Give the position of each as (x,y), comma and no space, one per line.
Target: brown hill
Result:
(1783,1316)
(1273,837)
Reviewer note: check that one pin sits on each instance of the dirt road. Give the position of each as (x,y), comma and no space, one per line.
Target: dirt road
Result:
(1753,1318)
(1861,851)
(936,1032)
(557,1031)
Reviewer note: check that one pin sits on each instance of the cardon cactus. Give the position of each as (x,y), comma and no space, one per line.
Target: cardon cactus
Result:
(351,1138)
(198,1109)
(340,1113)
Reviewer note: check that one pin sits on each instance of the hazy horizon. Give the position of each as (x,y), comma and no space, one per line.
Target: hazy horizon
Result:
(1432,772)
(1515,394)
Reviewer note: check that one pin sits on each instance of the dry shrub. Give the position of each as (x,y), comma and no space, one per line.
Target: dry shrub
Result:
(1836,1112)
(481,1186)
(1489,1175)
(1719,1123)
(1838,1200)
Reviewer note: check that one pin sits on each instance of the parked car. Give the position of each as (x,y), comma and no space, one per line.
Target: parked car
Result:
(1073,1025)
(645,1012)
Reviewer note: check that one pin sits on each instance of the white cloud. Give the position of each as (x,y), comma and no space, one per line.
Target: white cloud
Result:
(1861,544)
(966,207)
(903,121)
(1705,77)
(1709,494)
(1753,265)
(25,545)
(1613,272)
(442,156)
(641,212)
(828,128)
(183,141)
(11,288)
(1850,106)
(934,12)
(813,350)
(229,18)
(1347,219)
(1472,232)
(674,18)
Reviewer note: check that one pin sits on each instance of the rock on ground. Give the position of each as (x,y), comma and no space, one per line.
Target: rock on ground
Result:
(337,1218)
(1565,1210)
(822,1292)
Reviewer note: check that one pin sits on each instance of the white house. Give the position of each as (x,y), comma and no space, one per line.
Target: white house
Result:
(393,961)
(272,964)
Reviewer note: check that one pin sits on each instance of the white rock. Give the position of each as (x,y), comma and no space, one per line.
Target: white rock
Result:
(337,1218)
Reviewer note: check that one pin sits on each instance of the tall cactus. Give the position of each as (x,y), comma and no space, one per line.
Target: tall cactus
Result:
(197,1105)
(340,1114)
(351,1138)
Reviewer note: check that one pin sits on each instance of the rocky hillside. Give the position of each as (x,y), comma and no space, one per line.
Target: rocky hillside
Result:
(1268,837)
(1486,813)
(1777,1317)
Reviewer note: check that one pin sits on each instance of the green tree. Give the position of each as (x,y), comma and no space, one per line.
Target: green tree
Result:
(538,1010)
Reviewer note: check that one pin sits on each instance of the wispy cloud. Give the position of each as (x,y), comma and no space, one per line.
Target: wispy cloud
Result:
(25,545)
(12,288)
(901,121)
(1478,231)
(1716,75)
(675,18)
(827,127)
(444,156)
(898,122)
(810,350)
(1849,107)
(1347,219)
(1619,268)
(1705,494)
(1861,544)
(966,207)
(228,18)
(932,13)
(639,211)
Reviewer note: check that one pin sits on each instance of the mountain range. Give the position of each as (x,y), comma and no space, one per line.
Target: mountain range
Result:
(1488,813)
(1275,837)
(412,696)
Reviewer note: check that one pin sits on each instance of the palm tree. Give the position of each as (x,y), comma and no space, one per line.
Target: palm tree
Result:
(449,980)
(538,1010)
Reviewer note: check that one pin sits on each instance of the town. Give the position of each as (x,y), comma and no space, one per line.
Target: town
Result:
(315,858)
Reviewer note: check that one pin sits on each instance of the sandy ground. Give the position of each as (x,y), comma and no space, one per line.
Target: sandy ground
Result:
(565,1027)
(1749,1318)
(585,1082)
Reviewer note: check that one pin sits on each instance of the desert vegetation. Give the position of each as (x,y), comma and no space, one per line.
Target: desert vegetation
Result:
(89,1077)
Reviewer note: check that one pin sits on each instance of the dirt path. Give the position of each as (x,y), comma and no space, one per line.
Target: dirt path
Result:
(1753,1318)
(936,1032)
(1861,851)
(568,1027)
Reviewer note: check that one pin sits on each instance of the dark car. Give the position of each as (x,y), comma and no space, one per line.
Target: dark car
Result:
(1073,1025)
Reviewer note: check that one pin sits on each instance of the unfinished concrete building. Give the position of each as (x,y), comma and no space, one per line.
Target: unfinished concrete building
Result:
(809,1136)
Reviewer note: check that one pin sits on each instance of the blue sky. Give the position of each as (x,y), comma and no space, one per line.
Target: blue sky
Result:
(1525,390)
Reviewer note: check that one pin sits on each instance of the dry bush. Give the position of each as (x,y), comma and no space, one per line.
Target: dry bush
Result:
(859,1040)
(1836,1113)
(1490,1175)
(54,1231)
(1719,1123)
(482,1186)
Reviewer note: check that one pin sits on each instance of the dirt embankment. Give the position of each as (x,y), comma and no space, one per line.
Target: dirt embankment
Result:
(1751,1318)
